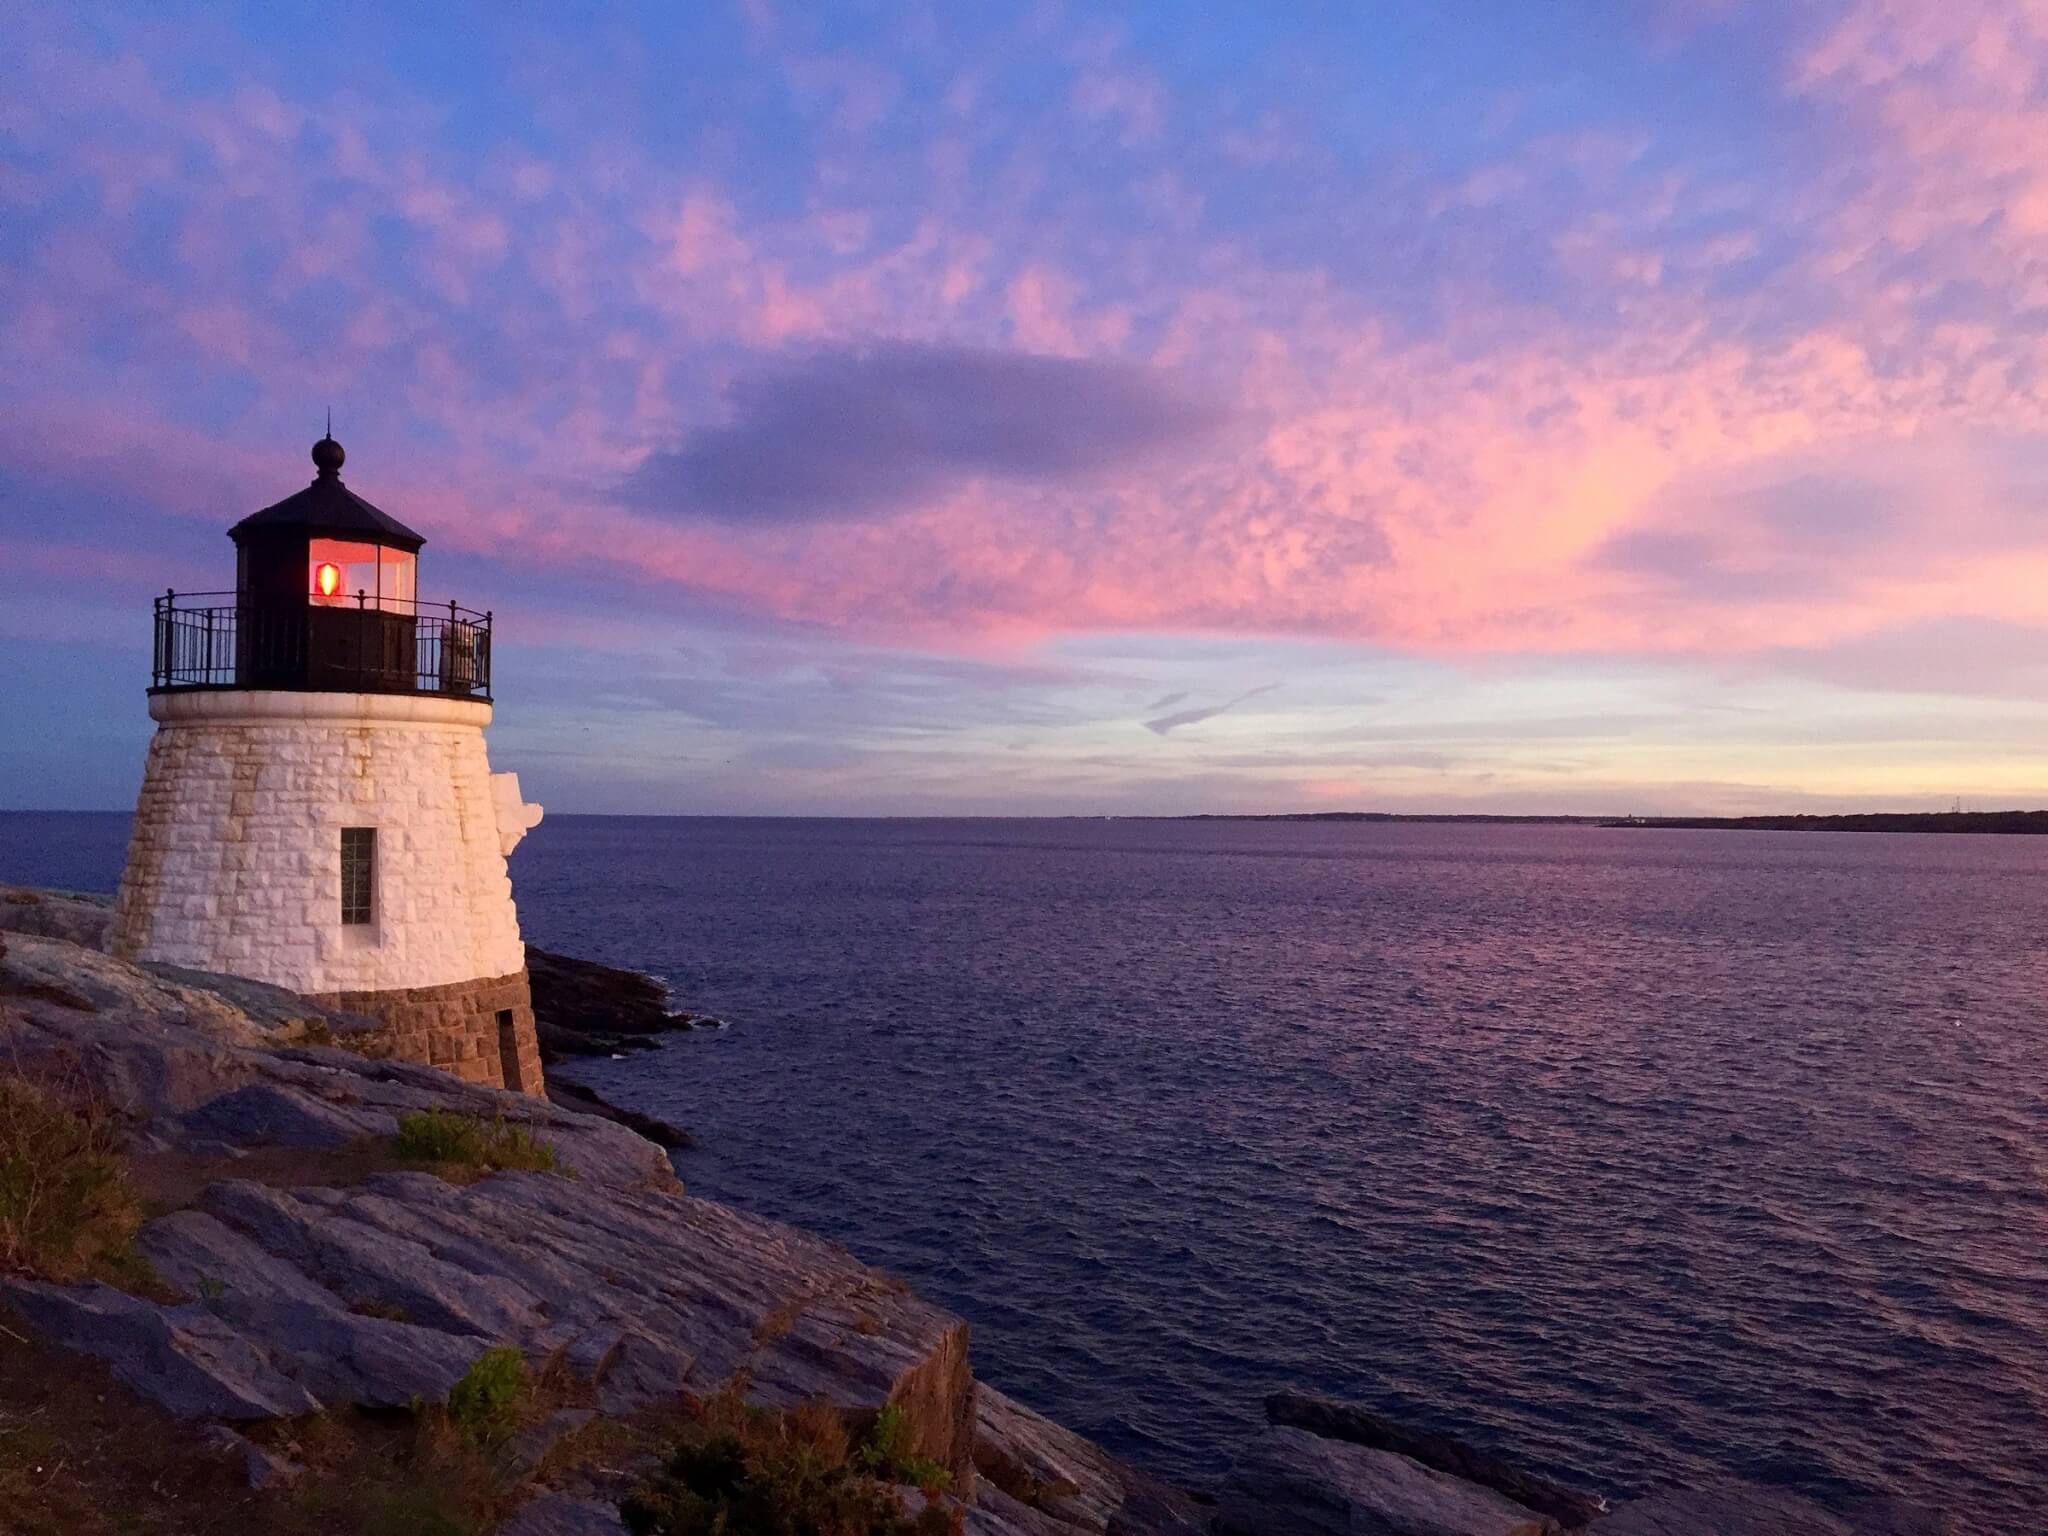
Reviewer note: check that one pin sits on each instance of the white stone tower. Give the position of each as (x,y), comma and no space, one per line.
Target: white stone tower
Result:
(317,810)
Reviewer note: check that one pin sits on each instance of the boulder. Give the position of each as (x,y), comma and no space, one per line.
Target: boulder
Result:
(1289,1482)
(183,1358)
(389,1290)
(347,1357)
(264,1468)
(39,968)
(1359,1426)
(271,1114)
(1740,1509)
(200,1074)
(1051,1471)
(198,1255)
(281,1015)
(73,916)
(995,1513)
(529,1448)
(585,1100)
(581,1008)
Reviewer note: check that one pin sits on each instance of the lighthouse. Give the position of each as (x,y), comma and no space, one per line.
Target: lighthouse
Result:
(317,808)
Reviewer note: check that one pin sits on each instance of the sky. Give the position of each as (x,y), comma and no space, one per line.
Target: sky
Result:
(1606,407)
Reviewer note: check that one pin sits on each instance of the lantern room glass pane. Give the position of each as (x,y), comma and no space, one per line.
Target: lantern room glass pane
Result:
(338,569)
(395,574)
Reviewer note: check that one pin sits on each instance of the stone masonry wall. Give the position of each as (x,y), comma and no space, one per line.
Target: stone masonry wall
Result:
(234,864)
(458,1029)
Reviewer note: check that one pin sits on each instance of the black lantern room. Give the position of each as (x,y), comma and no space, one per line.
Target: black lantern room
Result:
(326,598)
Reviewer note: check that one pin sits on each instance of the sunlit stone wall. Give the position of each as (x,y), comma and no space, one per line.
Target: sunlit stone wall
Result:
(234,864)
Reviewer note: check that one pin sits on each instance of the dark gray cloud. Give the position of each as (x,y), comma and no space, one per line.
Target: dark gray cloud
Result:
(852,433)
(1173,722)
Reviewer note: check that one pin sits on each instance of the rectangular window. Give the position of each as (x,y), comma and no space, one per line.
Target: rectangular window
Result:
(358,872)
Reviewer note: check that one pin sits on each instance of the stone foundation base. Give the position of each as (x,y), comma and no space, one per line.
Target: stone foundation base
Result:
(480,1031)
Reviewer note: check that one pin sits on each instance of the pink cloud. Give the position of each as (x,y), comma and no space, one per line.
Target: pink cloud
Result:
(1519,479)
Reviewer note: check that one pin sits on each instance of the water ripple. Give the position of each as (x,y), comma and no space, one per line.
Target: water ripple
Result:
(1642,1157)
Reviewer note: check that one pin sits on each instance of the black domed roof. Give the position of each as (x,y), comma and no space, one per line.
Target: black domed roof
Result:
(329,509)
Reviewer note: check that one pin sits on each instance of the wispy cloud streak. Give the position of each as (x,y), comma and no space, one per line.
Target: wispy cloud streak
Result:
(1165,725)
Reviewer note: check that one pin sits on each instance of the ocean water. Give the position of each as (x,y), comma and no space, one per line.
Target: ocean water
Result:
(1641,1157)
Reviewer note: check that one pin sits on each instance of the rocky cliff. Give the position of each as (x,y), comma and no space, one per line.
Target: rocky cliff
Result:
(298,1266)
(336,1254)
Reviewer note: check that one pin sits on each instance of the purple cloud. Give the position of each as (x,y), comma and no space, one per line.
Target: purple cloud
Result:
(1166,724)
(847,433)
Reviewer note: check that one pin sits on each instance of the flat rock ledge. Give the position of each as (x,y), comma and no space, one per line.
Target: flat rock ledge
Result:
(1570,1508)
(1324,1468)
(1737,1509)
(1289,1480)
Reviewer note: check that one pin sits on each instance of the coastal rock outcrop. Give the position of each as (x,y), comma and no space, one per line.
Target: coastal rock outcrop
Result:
(1036,1474)
(389,1290)
(1333,1420)
(299,1266)
(581,1008)
(604,1268)
(197,1074)
(69,915)
(1289,1482)
(1738,1509)
(1327,1468)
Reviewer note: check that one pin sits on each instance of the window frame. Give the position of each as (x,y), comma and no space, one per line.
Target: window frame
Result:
(358,877)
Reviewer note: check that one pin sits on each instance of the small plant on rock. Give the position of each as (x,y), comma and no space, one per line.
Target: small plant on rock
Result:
(484,1405)
(448,1136)
(887,1453)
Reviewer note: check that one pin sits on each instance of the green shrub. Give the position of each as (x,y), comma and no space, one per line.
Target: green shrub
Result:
(484,1405)
(887,1454)
(754,1472)
(66,1211)
(448,1136)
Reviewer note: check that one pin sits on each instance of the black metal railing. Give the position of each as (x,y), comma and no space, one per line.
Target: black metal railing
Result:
(362,644)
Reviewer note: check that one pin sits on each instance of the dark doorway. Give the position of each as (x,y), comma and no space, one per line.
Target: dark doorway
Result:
(508,1051)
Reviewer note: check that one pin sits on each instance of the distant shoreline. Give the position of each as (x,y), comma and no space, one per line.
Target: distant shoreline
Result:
(2009,823)
(2025,823)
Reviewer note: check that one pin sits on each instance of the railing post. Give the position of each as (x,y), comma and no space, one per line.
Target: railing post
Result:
(362,635)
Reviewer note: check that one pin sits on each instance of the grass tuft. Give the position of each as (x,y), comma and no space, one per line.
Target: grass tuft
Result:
(66,1211)
(470,1141)
(745,1471)
(483,1407)
(887,1453)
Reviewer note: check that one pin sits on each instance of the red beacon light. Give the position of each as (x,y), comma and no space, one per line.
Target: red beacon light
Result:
(327,578)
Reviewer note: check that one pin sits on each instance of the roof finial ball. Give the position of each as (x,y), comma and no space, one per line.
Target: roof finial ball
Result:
(327,455)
